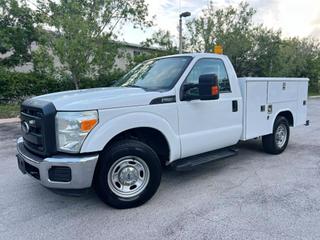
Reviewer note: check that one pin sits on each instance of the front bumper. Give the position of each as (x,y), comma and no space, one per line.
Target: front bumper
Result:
(79,167)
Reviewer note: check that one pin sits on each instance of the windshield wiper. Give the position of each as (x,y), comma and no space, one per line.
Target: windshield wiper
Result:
(135,86)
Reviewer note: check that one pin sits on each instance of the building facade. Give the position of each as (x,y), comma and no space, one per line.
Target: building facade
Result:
(126,51)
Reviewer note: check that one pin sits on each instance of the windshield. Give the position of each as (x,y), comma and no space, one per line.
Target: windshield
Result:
(155,74)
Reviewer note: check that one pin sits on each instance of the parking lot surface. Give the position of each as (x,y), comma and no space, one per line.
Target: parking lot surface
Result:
(250,196)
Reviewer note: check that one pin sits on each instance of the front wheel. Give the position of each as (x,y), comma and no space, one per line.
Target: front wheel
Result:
(128,174)
(277,142)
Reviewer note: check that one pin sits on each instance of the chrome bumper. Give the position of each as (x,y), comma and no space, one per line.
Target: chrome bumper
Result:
(82,167)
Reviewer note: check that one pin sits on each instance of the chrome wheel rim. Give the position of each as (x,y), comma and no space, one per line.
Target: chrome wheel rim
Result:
(281,135)
(128,176)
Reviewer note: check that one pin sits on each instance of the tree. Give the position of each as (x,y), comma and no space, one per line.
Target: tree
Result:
(84,31)
(300,58)
(162,39)
(231,27)
(254,50)
(314,71)
(219,26)
(43,62)
(263,58)
(17,32)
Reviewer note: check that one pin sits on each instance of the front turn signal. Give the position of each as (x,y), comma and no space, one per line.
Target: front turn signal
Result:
(87,125)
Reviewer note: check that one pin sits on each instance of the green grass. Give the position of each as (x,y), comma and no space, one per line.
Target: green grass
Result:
(313,94)
(9,110)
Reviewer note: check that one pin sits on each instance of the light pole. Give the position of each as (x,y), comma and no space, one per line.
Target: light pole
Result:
(184,14)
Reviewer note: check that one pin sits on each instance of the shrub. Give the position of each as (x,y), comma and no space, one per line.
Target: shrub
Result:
(15,87)
(18,86)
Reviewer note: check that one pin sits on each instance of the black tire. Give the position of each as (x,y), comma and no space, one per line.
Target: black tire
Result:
(116,152)
(269,141)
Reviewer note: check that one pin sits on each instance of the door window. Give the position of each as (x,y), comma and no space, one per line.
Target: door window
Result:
(210,66)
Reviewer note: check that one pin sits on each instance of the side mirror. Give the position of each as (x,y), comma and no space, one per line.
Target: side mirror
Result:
(208,87)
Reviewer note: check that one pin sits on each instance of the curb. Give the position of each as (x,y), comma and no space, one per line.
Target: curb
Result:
(314,97)
(9,120)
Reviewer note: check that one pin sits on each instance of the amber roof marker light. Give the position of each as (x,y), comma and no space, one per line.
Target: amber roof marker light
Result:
(218,49)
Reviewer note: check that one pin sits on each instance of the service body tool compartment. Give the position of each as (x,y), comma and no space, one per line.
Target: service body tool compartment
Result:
(256,109)
(265,98)
(282,91)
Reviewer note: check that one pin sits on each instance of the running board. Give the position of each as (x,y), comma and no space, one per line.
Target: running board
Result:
(188,163)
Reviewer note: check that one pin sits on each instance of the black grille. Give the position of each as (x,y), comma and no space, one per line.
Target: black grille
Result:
(38,126)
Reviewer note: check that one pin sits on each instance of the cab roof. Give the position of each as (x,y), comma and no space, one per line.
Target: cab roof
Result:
(196,55)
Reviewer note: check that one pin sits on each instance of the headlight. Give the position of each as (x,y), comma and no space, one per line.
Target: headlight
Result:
(72,129)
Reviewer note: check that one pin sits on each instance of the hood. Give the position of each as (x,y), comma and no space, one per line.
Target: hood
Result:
(99,98)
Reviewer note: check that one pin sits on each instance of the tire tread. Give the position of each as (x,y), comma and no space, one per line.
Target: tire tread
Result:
(268,141)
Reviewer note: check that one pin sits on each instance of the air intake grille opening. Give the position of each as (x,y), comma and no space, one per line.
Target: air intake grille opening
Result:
(33,171)
(59,174)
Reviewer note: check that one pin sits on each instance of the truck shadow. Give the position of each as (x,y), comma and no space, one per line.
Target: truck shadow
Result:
(252,145)
(248,151)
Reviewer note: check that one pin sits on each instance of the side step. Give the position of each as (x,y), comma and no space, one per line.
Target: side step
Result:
(188,163)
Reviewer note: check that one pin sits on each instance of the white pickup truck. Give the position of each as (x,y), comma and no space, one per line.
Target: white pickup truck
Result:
(180,110)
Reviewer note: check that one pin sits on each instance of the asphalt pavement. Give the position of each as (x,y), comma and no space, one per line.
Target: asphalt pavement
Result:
(250,196)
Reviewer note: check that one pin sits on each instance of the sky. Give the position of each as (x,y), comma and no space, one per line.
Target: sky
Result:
(299,18)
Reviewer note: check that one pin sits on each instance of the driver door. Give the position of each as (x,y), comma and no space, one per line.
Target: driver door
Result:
(207,125)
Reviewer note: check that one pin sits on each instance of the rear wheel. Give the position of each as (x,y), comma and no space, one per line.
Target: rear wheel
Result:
(128,174)
(277,142)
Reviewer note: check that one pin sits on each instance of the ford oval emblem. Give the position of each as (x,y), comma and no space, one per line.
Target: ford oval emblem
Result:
(25,127)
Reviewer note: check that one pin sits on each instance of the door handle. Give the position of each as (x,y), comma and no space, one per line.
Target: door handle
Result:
(234,106)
